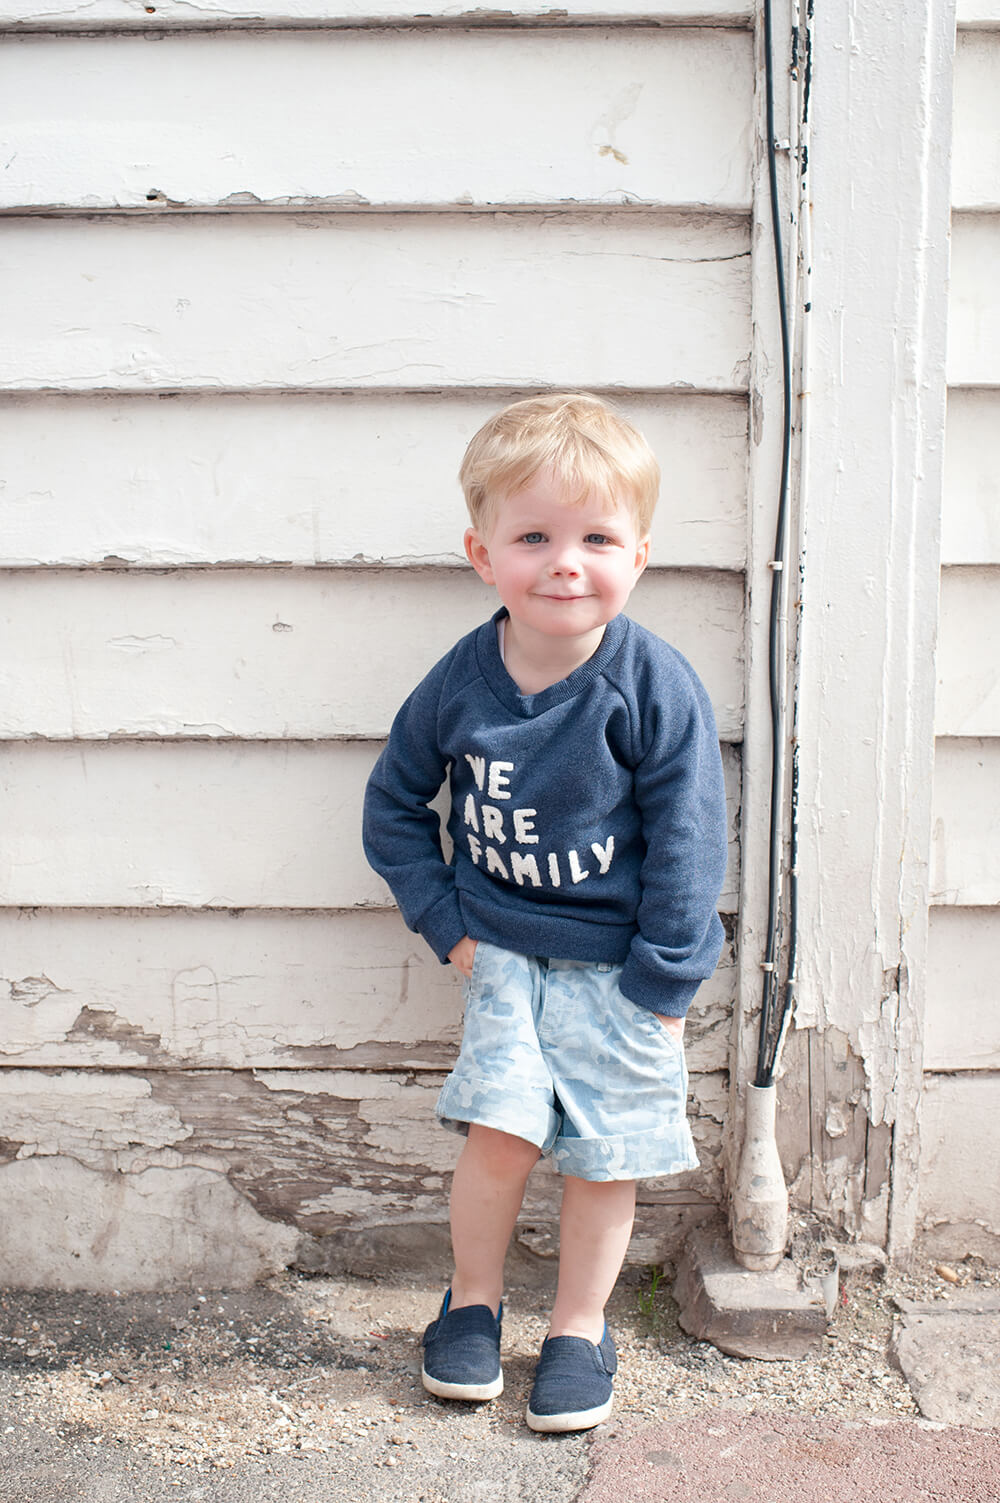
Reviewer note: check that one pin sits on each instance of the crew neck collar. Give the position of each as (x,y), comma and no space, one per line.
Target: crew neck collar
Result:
(504,687)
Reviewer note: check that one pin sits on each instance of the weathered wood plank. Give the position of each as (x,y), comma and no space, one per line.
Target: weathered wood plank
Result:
(968,654)
(974,301)
(279,654)
(960,1164)
(306,479)
(140,991)
(962,1022)
(161,990)
(833,1148)
(344,301)
(976,142)
(311,1153)
(202,824)
(601,117)
(970,532)
(965,858)
(119,15)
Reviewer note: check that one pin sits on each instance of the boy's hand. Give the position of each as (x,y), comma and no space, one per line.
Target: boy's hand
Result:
(463,954)
(674,1026)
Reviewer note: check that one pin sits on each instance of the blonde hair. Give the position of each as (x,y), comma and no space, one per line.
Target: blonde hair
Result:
(581,439)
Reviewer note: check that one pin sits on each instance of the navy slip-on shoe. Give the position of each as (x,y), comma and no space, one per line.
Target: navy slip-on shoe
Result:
(462,1353)
(573,1384)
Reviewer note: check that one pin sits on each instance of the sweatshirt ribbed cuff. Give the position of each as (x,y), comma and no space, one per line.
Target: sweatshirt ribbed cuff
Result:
(442,926)
(664,994)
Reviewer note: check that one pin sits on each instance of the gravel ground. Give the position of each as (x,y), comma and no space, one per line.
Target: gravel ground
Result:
(320,1377)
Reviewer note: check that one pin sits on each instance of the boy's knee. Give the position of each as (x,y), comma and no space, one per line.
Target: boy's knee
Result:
(501,1153)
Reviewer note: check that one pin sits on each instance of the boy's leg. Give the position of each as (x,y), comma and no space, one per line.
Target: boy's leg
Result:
(462,1347)
(594,1231)
(486,1195)
(574,1379)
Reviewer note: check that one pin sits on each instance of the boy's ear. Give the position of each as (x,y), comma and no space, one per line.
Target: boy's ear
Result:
(478,555)
(641,555)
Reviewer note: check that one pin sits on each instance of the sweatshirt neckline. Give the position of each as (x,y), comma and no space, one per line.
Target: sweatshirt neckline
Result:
(529,705)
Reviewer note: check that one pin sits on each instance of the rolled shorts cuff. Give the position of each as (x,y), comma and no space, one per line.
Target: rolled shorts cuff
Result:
(463,1101)
(640,1155)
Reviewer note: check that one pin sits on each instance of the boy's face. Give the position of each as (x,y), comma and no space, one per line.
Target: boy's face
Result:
(562,569)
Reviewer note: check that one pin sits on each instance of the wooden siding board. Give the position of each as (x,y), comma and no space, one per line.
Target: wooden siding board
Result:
(153,991)
(968,654)
(965,858)
(960,1163)
(340,301)
(600,117)
(225,825)
(306,479)
(120,15)
(974,301)
(976,142)
(962,1025)
(280,654)
(970,532)
(263,990)
(978,13)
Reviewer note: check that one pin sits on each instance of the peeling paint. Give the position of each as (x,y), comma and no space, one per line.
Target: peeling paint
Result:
(104,1023)
(31,990)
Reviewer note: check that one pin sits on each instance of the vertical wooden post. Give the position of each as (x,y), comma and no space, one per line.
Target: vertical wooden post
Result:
(874,386)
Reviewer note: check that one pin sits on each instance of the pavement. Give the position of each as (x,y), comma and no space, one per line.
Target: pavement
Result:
(307,1391)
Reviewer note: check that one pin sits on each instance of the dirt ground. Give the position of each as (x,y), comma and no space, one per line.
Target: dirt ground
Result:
(309,1388)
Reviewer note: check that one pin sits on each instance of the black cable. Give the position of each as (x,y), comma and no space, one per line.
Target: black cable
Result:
(771,1027)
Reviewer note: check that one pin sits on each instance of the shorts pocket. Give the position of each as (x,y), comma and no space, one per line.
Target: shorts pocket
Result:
(655,1029)
(470,983)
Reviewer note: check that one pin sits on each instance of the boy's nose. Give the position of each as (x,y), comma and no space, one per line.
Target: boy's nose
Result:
(566,561)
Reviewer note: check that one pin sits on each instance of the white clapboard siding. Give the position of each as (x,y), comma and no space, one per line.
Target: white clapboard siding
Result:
(344,301)
(976,141)
(970,531)
(227,825)
(974,301)
(960,1160)
(598,117)
(120,15)
(287,654)
(254,990)
(230,826)
(968,653)
(965,862)
(978,13)
(309,479)
(962,1024)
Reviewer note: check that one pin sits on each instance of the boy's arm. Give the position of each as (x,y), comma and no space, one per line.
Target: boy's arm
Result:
(401,833)
(680,792)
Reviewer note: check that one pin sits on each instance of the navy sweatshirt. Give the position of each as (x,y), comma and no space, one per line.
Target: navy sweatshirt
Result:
(588,821)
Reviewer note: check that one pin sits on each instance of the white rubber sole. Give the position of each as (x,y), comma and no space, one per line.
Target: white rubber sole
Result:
(469,1391)
(582,1419)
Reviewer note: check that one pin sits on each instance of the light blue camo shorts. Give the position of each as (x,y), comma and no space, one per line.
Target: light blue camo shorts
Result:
(553,1053)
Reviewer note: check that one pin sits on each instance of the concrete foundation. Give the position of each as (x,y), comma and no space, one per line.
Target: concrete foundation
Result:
(772,1316)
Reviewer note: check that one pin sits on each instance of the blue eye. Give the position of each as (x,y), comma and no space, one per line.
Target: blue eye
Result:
(597,537)
(532,537)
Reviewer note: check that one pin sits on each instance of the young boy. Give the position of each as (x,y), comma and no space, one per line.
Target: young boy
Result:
(588,824)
